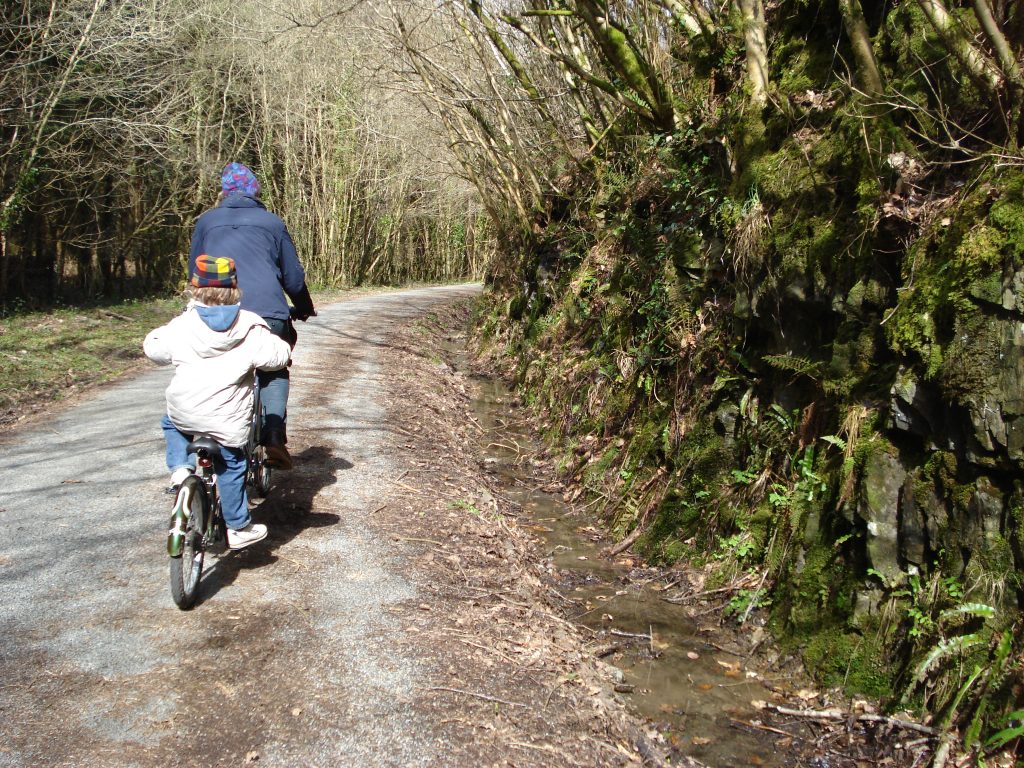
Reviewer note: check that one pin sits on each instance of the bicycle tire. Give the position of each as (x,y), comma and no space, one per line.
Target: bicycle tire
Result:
(260,472)
(187,569)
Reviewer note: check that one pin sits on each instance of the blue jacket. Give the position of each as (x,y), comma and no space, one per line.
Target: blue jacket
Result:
(241,228)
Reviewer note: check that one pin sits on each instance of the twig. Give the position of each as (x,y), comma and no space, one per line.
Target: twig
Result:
(478,696)
(753,599)
(835,714)
(293,562)
(421,541)
(671,584)
(760,727)
(723,649)
(617,633)
(509,659)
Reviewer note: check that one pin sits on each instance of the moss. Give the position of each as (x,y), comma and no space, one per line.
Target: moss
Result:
(971,360)
(943,467)
(839,658)
(810,589)
(1007,215)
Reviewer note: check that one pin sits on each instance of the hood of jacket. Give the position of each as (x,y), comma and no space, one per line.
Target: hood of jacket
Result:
(218,318)
(239,200)
(215,330)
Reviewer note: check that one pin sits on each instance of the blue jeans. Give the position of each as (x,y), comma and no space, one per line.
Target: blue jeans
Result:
(274,384)
(230,469)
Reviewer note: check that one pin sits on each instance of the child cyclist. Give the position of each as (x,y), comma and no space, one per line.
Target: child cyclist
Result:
(214,346)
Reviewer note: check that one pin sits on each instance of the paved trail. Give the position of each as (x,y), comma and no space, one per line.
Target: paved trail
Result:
(289,657)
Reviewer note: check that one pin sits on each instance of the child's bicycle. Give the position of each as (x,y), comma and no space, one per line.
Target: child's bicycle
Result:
(197,525)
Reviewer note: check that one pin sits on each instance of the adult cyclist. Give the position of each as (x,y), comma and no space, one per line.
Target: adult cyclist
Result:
(241,228)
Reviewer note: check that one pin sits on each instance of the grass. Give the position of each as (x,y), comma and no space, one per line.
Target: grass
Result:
(47,356)
(51,355)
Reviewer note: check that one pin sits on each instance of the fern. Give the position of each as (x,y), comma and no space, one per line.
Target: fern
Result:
(979,610)
(1014,730)
(943,650)
(801,366)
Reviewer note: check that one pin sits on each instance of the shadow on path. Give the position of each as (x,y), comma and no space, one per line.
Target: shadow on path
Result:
(287,512)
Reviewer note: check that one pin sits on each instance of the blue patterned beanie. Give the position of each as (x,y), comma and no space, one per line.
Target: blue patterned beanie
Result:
(237,178)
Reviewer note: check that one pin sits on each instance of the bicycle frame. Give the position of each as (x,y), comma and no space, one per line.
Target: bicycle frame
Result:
(179,522)
(257,475)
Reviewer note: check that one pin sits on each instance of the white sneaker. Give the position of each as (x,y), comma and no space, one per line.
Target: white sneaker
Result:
(177,478)
(243,537)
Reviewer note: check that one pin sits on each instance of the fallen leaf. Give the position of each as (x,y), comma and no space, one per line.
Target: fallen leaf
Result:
(806,694)
(296,711)
(705,687)
(759,703)
(699,741)
(252,757)
(733,665)
(692,655)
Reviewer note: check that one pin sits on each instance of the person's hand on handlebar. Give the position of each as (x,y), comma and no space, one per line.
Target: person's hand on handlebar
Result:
(303,316)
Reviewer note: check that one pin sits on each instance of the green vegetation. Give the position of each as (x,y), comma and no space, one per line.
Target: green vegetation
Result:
(785,341)
(44,356)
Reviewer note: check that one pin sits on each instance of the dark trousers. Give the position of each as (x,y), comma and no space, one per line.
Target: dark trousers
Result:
(274,384)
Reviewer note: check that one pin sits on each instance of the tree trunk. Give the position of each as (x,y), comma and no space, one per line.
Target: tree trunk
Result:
(998,41)
(980,68)
(755,38)
(860,40)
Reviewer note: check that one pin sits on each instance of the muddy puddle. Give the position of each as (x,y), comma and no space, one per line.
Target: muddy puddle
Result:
(674,671)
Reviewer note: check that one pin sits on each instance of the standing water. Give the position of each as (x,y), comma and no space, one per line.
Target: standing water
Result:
(673,672)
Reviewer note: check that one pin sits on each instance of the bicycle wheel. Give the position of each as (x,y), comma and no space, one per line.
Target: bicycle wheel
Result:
(260,472)
(188,567)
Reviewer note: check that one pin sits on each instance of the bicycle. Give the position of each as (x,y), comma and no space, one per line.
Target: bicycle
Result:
(197,525)
(258,473)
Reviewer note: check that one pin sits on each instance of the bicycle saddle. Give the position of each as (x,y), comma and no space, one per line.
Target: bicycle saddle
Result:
(208,444)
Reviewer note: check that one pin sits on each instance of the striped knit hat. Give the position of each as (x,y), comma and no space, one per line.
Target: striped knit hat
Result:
(214,272)
(237,178)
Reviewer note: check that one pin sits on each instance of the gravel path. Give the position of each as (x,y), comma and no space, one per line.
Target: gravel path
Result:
(289,658)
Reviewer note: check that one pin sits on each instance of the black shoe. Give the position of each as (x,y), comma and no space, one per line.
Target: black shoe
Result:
(277,453)
(171,490)
(278,457)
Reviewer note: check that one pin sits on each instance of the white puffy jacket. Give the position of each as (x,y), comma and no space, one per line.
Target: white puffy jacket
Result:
(211,392)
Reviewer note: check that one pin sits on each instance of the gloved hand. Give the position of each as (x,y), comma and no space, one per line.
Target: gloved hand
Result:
(303,305)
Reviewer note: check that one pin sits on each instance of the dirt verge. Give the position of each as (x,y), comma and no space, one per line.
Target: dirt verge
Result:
(526,689)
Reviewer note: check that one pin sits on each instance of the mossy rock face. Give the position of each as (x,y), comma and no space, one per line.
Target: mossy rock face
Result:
(913,407)
(881,484)
(855,661)
(985,517)
(913,528)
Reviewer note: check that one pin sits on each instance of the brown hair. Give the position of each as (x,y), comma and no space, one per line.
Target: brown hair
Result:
(213,297)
